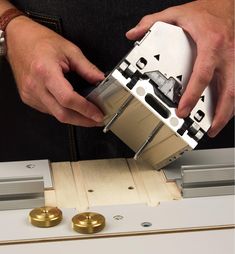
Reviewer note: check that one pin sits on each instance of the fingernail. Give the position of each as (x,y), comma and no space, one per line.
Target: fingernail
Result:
(211,133)
(97,118)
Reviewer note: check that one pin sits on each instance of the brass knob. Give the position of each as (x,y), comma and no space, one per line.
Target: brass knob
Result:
(45,217)
(88,222)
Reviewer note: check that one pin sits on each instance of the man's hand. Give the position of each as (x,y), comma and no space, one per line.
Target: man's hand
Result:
(210,24)
(39,58)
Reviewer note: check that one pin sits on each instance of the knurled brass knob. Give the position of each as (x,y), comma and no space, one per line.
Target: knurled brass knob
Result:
(88,222)
(45,217)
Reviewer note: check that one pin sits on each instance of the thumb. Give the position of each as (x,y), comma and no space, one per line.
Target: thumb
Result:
(79,63)
(168,16)
(141,28)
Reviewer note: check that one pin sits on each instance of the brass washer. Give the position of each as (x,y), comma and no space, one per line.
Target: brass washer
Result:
(88,222)
(45,217)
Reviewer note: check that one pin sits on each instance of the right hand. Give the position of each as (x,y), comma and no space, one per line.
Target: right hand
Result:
(39,58)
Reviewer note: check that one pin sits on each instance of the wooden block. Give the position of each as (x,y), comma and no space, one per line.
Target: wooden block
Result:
(108,182)
(65,189)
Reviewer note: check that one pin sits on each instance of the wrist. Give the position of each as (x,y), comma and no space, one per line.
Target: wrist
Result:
(16,23)
(6,17)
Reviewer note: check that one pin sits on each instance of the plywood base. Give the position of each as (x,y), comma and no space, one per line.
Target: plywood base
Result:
(87,184)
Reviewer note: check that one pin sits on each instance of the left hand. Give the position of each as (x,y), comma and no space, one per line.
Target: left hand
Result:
(210,24)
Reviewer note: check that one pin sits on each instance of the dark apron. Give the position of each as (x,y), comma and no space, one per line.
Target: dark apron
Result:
(98,28)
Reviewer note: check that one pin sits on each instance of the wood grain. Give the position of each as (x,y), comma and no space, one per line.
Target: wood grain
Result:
(86,184)
(50,198)
(108,182)
(64,184)
(80,186)
(152,185)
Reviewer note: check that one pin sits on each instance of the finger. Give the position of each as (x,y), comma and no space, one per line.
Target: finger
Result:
(218,124)
(225,106)
(63,92)
(221,118)
(83,66)
(142,27)
(169,16)
(201,77)
(65,115)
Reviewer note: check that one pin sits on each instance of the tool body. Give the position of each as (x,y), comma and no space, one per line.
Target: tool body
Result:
(142,93)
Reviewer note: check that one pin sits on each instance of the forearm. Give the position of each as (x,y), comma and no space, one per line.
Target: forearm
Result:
(11,26)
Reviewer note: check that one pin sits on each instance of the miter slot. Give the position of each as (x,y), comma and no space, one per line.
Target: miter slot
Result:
(157,106)
(208,180)
(118,113)
(15,197)
(148,139)
(195,174)
(209,184)
(21,185)
(208,191)
(21,192)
